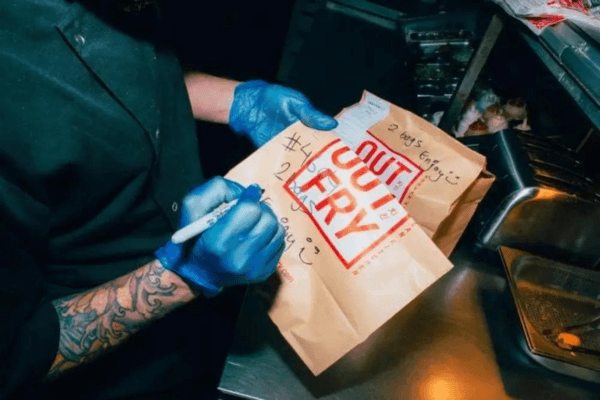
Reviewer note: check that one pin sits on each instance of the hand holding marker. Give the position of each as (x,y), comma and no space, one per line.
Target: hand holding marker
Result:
(241,241)
(197,227)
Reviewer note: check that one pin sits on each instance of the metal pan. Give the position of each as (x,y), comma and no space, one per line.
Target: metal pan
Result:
(547,295)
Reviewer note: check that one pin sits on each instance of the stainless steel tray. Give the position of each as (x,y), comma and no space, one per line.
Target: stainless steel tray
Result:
(548,296)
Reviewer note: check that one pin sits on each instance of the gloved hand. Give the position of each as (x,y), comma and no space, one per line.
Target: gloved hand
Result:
(244,246)
(261,110)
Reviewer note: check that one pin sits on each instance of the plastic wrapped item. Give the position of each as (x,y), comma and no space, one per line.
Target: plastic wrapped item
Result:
(483,105)
(486,98)
(515,109)
(477,128)
(492,111)
(471,115)
(437,117)
(496,123)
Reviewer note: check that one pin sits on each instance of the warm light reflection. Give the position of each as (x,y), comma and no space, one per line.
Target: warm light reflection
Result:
(548,194)
(457,286)
(441,387)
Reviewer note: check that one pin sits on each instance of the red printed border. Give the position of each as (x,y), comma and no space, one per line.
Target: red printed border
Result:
(347,264)
(405,158)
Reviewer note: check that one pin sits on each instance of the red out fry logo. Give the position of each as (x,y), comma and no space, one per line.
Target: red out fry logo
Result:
(397,171)
(351,207)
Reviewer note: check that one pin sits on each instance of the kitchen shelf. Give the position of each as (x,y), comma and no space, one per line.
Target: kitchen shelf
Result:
(574,60)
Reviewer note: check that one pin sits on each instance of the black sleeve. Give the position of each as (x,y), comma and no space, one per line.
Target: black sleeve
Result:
(29,327)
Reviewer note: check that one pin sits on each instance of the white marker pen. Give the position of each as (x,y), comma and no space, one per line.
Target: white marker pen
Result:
(202,224)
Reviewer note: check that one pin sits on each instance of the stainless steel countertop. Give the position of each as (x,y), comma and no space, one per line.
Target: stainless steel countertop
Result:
(460,339)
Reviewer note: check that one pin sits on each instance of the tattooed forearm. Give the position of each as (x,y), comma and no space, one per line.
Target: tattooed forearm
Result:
(97,320)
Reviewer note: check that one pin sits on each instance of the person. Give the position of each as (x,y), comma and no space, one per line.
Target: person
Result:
(99,166)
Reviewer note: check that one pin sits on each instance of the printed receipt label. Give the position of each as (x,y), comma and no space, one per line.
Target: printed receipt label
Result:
(397,171)
(360,118)
(351,208)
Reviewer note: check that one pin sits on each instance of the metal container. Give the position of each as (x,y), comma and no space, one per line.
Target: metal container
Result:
(543,205)
(550,296)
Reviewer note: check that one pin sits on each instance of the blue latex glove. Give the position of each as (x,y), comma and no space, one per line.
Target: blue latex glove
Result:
(243,247)
(261,110)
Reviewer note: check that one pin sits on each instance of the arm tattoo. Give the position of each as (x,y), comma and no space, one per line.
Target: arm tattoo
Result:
(97,320)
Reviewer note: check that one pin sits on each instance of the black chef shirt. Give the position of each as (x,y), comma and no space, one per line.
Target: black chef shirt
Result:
(97,148)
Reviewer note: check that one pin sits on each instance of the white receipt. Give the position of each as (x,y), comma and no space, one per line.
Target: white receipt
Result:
(354,123)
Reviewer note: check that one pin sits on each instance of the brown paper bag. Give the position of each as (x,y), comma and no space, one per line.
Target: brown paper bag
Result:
(437,179)
(353,256)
